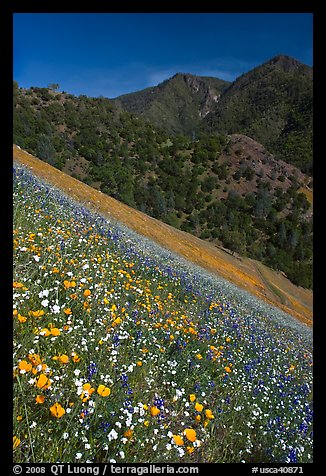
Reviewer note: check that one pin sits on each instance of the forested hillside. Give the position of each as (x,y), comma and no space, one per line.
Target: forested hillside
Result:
(227,189)
(177,104)
(272,103)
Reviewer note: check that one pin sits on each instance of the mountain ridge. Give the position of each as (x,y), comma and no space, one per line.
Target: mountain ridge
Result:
(272,103)
(181,101)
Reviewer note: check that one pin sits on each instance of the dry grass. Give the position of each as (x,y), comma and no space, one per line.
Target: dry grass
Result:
(308,193)
(245,273)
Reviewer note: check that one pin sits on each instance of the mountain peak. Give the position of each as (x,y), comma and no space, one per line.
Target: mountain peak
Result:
(286,63)
(177,104)
(181,75)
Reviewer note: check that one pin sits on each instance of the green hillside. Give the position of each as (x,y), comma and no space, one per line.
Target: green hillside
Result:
(272,104)
(225,189)
(177,104)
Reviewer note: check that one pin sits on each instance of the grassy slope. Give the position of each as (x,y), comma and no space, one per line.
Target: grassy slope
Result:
(246,273)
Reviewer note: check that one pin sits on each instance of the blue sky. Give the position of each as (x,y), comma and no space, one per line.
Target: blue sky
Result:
(115,53)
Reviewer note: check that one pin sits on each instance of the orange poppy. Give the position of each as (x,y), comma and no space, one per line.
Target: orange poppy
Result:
(57,410)
(154,411)
(209,414)
(15,284)
(128,434)
(88,390)
(63,359)
(75,357)
(190,434)
(178,440)
(35,359)
(38,313)
(25,366)
(43,382)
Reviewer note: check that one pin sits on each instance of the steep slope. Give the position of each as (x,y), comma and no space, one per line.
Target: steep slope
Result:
(246,273)
(177,104)
(273,104)
(132,342)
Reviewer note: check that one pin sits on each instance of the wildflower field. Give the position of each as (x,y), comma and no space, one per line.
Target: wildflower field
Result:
(124,352)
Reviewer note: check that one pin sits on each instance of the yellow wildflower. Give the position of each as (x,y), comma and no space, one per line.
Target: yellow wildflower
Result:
(103,391)
(35,359)
(16,442)
(22,318)
(37,313)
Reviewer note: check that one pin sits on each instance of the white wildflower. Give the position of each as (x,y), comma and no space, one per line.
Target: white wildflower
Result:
(113,435)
